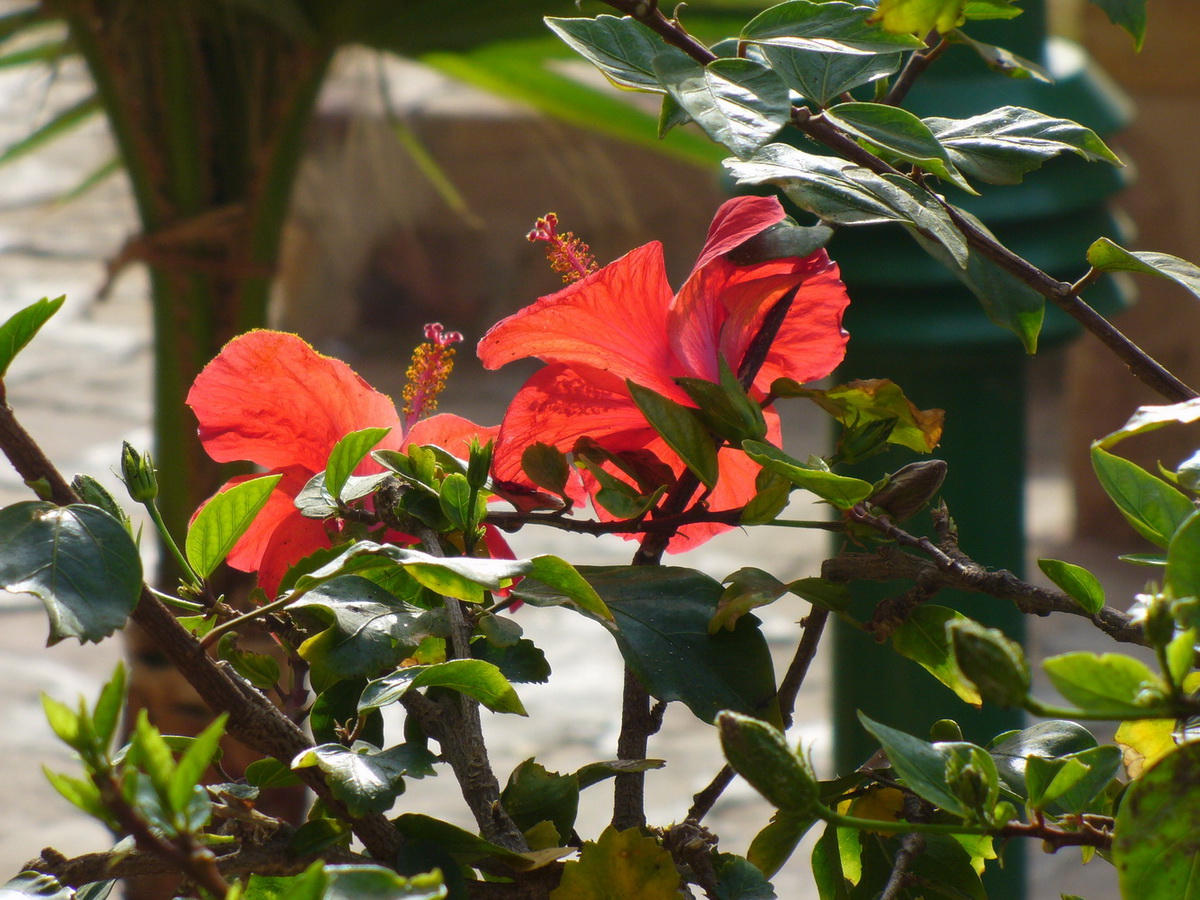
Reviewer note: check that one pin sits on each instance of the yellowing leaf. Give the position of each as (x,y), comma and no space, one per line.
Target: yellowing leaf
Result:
(1144,742)
(619,866)
(920,16)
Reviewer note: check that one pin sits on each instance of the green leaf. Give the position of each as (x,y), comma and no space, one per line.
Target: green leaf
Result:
(1156,841)
(725,408)
(661,627)
(21,327)
(1183,559)
(679,427)
(1001,146)
(364,777)
(347,454)
(899,135)
(991,9)
(84,795)
(825,27)
(35,884)
(366,882)
(1067,784)
(455,499)
(1108,684)
(871,400)
(109,705)
(921,16)
(1007,301)
(1154,508)
(740,104)
(62,122)
(565,578)
(774,845)
(594,773)
(921,765)
(622,48)
(836,190)
(522,663)
(473,677)
(840,490)
(270,773)
(1151,418)
(78,560)
(223,520)
(1084,587)
(260,669)
(192,764)
(774,492)
(748,588)
(922,637)
(1045,740)
(534,795)
(820,592)
(822,77)
(1128,14)
(1000,60)
(308,885)
(546,466)
(1110,257)
(740,879)
(619,866)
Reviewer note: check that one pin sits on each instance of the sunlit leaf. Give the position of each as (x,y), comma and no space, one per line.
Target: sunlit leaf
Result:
(223,520)
(21,327)
(1156,839)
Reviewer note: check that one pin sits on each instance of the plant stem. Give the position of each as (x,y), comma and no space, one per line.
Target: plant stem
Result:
(169,542)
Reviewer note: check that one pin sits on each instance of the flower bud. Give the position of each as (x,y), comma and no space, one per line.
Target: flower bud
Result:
(994,664)
(910,489)
(138,474)
(1160,621)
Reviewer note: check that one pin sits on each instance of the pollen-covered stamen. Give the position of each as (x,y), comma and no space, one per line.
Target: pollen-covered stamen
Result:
(567,253)
(432,363)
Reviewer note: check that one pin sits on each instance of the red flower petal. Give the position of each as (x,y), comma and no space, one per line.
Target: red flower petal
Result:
(613,320)
(247,553)
(737,221)
(450,432)
(270,398)
(295,538)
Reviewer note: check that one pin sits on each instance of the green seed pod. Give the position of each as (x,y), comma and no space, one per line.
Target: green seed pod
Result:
(760,753)
(139,475)
(994,664)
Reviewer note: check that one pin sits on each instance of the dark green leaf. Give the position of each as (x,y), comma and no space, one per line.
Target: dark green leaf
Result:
(1002,145)
(455,498)
(775,844)
(1110,257)
(1109,684)
(1183,559)
(900,135)
(363,777)
(838,191)
(747,588)
(347,454)
(822,77)
(760,753)
(679,427)
(820,592)
(1129,14)
(546,467)
(921,765)
(1074,780)
(1156,842)
(1154,508)
(740,104)
(466,847)
(1084,587)
(740,879)
(270,773)
(21,327)
(831,880)
(922,638)
(662,616)
(260,669)
(621,48)
(78,560)
(223,520)
(535,795)
(522,663)
(473,677)
(826,27)
(1045,740)
(840,490)
(725,408)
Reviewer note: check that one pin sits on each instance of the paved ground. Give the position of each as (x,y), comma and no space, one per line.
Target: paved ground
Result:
(83,387)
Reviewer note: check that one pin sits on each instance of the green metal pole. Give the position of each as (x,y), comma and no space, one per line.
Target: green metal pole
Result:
(911,321)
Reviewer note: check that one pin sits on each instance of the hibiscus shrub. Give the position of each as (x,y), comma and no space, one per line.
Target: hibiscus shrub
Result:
(373,542)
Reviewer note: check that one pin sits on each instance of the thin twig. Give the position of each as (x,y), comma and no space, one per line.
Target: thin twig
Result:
(913,69)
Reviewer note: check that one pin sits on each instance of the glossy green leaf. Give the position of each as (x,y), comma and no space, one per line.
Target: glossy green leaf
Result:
(456,502)
(1110,257)
(270,773)
(899,135)
(335,711)
(836,190)
(78,560)
(739,103)
(840,490)
(1068,784)
(740,879)
(1007,301)
(820,592)
(21,327)
(473,677)
(1154,508)
(746,589)
(308,885)
(466,847)
(1046,740)
(223,520)
(679,427)
(921,765)
(823,77)
(1129,14)
(826,27)
(1001,146)
(1001,60)
(619,866)
(1156,841)
(565,578)
(1151,418)
(366,882)
(364,777)
(1083,587)
(35,884)
(661,627)
(922,638)
(622,48)
(827,869)
(522,663)
(1183,559)
(535,795)
(1110,684)
(921,16)
(347,454)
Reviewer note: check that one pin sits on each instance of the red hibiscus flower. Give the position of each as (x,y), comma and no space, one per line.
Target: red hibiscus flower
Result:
(270,399)
(624,322)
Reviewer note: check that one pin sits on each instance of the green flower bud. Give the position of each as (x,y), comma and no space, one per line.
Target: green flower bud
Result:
(1160,621)
(990,661)
(945,730)
(859,442)
(909,490)
(138,474)
(760,753)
